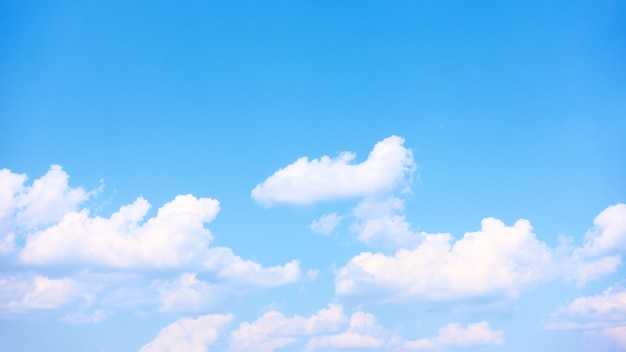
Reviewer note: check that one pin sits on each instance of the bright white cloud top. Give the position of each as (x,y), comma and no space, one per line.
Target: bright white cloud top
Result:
(388,166)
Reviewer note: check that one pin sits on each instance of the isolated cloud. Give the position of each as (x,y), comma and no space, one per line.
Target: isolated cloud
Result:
(454,335)
(388,166)
(187,334)
(498,259)
(326,224)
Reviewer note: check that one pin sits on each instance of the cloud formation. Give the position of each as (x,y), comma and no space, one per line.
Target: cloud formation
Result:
(44,229)
(388,166)
(602,315)
(454,335)
(326,224)
(188,334)
(498,260)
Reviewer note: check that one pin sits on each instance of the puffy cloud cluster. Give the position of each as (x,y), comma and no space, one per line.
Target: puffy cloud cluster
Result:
(43,228)
(388,166)
(329,329)
(497,260)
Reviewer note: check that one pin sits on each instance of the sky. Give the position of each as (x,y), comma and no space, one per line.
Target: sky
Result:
(312,176)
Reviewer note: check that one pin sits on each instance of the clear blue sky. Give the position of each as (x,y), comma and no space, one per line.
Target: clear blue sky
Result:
(459,119)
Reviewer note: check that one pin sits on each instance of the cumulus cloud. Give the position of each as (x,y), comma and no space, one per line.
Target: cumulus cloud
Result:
(602,315)
(380,222)
(188,334)
(454,335)
(388,166)
(362,333)
(497,259)
(606,310)
(45,201)
(52,234)
(603,245)
(273,330)
(326,224)
(175,236)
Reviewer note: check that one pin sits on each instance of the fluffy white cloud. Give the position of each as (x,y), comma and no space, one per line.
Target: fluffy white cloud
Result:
(273,330)
(454,335)
(175,237)
(497,259)
(609,233)
(388,166)
(46,201)
(246,272)
(187,334)
(326,224)
(381,223)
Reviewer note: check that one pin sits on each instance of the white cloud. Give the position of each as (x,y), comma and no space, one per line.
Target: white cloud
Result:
(81,318)
(362,332)
(388,166)
(381,223)
(46,201)
(186,294)
(326,224)
(602,315)
(10,186)
(174,238)
(609,233)
(35,292)
(454,335)
(498,259)
(187,334)
(273,330)
(600,311)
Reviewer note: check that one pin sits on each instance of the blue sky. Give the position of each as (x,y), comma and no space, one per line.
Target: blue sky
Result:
(300,176)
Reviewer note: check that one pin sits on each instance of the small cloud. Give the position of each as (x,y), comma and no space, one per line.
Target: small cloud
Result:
(389,165)
(326,224)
